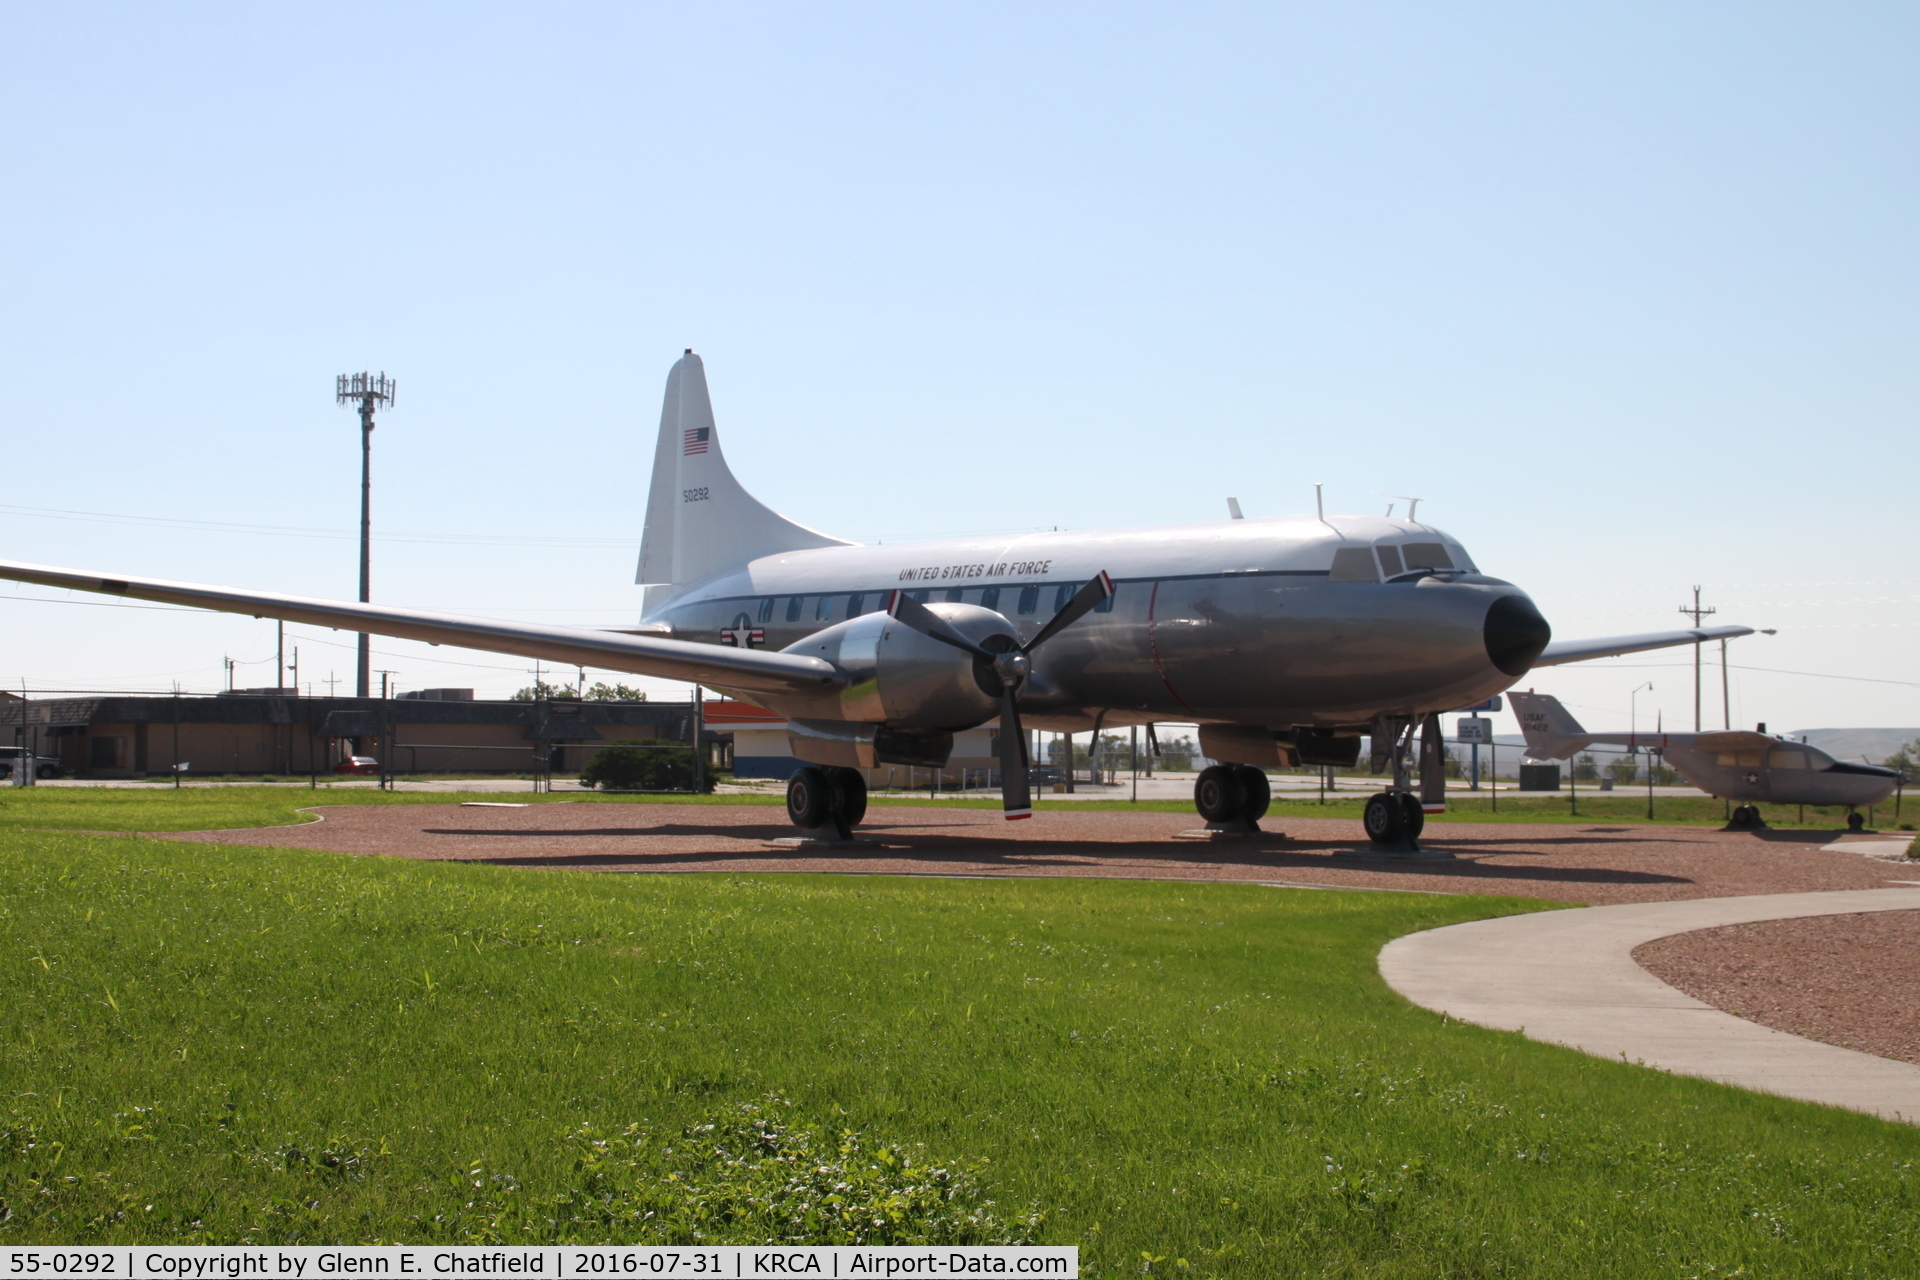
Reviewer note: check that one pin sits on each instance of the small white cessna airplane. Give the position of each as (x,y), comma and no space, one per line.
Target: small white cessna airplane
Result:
(1733,763)
(1285,639)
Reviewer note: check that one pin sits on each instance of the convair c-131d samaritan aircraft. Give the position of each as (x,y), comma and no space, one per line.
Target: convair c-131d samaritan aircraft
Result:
(1287,640)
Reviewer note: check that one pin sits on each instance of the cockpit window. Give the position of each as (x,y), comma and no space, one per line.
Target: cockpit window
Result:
(1353,564)
(1390,561)
(1787,760)
(1427,555)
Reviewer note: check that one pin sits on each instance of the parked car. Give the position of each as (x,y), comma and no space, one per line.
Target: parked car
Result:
(358,764)
(43,766)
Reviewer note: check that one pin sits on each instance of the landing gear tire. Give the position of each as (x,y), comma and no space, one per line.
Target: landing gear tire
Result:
(809,798)
(1415,815)
(1255,791)
(827,801)
(1745,817)
(849,795)
(1385,818)
(1220,793)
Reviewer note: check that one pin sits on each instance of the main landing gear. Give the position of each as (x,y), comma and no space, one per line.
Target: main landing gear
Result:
(1232,798)
(1745,817)
(826,802)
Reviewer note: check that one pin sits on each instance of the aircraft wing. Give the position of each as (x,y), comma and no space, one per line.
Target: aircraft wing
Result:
(1564,651)
(747,670)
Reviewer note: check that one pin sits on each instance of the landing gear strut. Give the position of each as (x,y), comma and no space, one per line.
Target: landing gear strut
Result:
(1745,817)
(1232,798)
(826,802)
(1395,817)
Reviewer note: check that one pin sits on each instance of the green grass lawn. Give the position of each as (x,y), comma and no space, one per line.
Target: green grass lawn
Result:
(162,808)
(220,1044)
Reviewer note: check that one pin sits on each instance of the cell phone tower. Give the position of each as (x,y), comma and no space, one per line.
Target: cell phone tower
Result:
(367,391)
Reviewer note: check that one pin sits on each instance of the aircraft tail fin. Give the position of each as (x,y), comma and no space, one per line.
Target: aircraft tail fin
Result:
(699,518)
(1550,729)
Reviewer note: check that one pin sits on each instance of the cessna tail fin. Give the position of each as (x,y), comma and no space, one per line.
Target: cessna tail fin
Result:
(699,519)
(1551,731)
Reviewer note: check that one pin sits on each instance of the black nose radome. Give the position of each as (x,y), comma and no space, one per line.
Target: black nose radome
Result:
(1516,633)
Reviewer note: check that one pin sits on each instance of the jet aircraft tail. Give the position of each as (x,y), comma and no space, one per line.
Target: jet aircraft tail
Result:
(1550,729)
(699,519)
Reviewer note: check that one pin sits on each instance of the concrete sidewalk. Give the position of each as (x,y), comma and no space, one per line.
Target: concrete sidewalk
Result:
(1568,978)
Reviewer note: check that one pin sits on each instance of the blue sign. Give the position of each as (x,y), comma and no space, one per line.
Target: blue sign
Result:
(1491,704)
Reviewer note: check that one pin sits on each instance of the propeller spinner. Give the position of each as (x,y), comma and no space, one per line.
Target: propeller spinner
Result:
(1012,665)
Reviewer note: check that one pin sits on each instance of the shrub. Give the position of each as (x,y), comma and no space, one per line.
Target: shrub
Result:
(628,765)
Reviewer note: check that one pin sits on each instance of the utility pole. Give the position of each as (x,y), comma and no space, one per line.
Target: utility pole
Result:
(280,655)
(1697,613)
(368,391)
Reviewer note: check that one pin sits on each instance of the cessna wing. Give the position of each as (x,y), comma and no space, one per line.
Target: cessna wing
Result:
(1564,651)
(746,670)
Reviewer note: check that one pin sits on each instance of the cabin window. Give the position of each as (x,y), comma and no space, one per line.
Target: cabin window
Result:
(793,608)
(990,598)
(1106,606)
(766,609)
(1062,594)
(1390,561)
(1353,564)
(823,610)
(1740,759)
(918,597)
(954,594)
(1427,555)
(856,605)
(1788,760)
(1029,600)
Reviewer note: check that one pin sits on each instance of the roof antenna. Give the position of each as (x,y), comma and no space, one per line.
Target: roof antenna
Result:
(1233,509)
(1389,511)
(1319,506)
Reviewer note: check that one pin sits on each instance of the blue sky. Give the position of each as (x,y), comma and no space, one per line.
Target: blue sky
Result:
(1625,292)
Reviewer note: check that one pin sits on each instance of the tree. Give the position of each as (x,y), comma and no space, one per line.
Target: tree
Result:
(1585,770)
(541,691)
(544,692)
(1906,760)
(615,693)
(1624,770)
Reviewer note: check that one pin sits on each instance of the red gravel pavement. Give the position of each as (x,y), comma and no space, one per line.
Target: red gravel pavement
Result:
(1559,862)
(1845,980)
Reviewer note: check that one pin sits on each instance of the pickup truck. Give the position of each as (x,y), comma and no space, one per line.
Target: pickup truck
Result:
(43,766)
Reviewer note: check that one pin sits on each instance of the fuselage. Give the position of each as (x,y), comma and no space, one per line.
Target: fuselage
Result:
(1790,773)
(1278,622)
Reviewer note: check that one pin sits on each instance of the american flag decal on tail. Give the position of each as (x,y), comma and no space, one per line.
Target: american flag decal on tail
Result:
(694,440)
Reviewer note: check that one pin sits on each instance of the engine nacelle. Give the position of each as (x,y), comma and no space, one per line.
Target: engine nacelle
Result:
(903,679)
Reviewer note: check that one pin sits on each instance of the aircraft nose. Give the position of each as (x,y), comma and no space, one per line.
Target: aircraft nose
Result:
(1515,634)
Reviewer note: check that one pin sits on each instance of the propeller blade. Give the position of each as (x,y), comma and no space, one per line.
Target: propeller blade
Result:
(903,608)
(1098,588)
(1015,798)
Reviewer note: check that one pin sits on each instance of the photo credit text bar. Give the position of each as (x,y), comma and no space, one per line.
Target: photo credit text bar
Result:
(543,1262)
